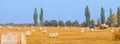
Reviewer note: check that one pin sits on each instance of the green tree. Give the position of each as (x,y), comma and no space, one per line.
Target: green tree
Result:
(110,19)
(84,24)
(35,16)
(92,22)
(102,16)
(54,23)
(68,23)
(41,17)
(118,16)
(87,14)
(61,23)
(47,23)
(75,23)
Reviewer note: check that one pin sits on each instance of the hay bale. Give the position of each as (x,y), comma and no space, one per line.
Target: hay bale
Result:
(82,30)
(17,28)
(32,27)
(10,27)
(53,35)
(23,38)
(28,32)
(111,30)
(65,28)
(9,38)
(0,26)
(41,29)
(32,30)
(91,30)
(45,27)
(44,31)
(24,27)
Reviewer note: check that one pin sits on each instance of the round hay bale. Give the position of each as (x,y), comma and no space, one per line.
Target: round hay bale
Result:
(24,27)
(82,30)
(32,30)
(45,27)
(41,29)
(44,31)
(17,28)
(111,30)
(53,34)
(65,28)
(32,27)
(0,26)
(28,32)
(10,27)
(91,30)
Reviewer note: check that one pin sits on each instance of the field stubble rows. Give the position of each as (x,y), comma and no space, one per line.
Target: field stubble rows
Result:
(71,35)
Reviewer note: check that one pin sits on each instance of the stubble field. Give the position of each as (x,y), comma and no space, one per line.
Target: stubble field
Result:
(68,35)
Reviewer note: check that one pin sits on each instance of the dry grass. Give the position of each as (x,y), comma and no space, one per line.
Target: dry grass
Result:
(71,35)
(116,35)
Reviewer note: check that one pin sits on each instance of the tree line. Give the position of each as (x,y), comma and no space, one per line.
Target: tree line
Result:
(87,23)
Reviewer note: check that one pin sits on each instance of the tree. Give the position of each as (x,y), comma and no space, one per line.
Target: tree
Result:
(35,16)
(102,16)
(54,23)
(118,16)
(41,17)
(61,23)
(92,22)
(87,14)
(98,23)
(68,23)
(75,23)
(84,24)
(110,19)
(47,23)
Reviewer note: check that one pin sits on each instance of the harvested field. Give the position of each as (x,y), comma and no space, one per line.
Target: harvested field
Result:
(71,35)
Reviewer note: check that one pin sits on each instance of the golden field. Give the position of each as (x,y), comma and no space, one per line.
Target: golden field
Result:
(71,35)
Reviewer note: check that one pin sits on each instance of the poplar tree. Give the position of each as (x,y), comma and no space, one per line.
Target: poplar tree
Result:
(35,16)
(87,14)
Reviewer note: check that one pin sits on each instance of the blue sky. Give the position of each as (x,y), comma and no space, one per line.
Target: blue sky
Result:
(21,11)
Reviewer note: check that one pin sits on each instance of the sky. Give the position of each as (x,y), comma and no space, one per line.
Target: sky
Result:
(21,11)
